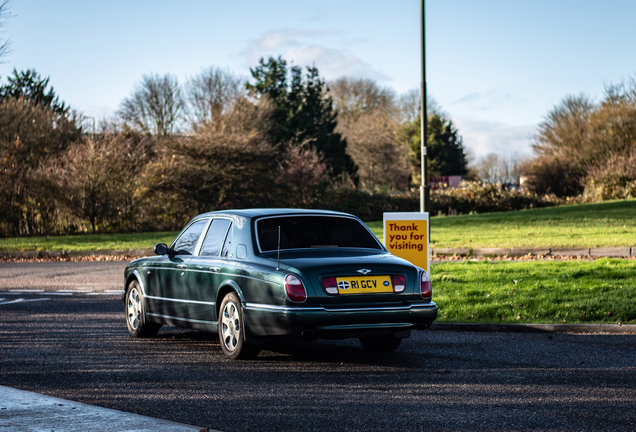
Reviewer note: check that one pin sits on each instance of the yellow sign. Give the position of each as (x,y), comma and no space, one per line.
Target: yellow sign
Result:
(406,235)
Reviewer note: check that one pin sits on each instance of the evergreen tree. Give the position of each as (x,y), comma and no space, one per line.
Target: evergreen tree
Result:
(444,147)
(30,85)
(302,111)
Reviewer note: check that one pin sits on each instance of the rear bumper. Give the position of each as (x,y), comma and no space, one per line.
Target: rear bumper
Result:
(272,320)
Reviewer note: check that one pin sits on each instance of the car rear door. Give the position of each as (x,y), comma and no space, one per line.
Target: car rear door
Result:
(205,271)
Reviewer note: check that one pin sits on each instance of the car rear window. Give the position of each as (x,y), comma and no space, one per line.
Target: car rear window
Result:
(302,232)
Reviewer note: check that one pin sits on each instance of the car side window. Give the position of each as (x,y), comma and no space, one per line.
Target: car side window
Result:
(213,241)
(188,240)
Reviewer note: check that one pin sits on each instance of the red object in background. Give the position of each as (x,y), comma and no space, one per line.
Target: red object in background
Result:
(449,181)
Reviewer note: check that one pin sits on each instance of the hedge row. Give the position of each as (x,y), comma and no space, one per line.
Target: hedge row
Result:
(471,197)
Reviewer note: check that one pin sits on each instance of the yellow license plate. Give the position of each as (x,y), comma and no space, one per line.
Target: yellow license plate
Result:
(364,284)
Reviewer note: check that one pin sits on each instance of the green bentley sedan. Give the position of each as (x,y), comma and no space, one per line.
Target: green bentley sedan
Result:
(253,275)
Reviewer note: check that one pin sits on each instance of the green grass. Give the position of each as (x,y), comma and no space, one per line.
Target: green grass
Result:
(611,223)
(88,241)
(601,291)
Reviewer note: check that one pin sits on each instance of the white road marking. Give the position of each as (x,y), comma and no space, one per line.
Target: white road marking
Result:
(26,290)
(55,293)
(22,300)
(75,290)
(62,292)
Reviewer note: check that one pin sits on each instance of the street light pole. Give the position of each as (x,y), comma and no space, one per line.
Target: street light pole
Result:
(424,182)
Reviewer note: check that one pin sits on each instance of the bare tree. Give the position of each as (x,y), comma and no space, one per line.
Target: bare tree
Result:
(5,47)
(564,132)
(410,102)
(156,106)
(368,118)
(353,97)
(372,146)
(211,94)
(494,168)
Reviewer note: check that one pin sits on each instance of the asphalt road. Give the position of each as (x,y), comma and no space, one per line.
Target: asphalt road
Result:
(64,276)
(74,345)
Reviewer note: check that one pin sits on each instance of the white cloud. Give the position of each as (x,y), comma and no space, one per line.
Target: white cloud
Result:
(492,100)
(484,136)
(312,47)
(333,63)
(277,39)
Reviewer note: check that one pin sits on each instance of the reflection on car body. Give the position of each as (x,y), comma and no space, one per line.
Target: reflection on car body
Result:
(253,275)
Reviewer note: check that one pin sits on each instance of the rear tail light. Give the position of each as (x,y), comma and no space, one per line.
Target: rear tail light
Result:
(330,284)
(425,286)
(295,289)
(399,282)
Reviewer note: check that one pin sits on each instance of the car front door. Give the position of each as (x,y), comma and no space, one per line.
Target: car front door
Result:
(168,294)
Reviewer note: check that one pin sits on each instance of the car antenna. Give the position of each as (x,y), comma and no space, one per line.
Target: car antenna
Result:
(278,262)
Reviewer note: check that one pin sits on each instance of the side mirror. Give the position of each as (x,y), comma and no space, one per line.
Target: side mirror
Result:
(161,249)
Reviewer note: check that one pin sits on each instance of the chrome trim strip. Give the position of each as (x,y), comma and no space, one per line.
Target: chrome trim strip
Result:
(182,319)
(180,300)
(259,306)
(214,273)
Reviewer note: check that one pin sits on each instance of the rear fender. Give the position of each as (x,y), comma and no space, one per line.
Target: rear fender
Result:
(228,286)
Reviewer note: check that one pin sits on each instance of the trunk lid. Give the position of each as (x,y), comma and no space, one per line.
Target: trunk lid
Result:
(357,268)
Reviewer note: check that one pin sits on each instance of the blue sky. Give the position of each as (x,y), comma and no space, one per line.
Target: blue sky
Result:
(496,67)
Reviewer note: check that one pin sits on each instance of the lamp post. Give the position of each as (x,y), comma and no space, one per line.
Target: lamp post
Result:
(424,182)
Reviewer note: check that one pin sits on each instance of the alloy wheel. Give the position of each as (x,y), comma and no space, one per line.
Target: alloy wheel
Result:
(231,329)
(134,308)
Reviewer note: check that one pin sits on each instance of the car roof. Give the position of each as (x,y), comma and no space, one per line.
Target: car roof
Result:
(259,212)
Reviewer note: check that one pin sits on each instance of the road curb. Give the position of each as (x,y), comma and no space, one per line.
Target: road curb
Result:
(537,328)
(29,411)
(135,253)
(622,251)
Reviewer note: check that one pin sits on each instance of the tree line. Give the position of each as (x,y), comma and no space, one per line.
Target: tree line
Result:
(587,149)
(282,138)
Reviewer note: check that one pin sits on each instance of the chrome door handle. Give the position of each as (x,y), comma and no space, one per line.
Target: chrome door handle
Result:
(215,269)
(181,266)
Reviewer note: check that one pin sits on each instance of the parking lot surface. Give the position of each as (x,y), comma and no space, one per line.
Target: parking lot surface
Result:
(75,346)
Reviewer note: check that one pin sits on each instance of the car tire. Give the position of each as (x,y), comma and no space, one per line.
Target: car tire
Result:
(232,328)
(380,343)
(135,310)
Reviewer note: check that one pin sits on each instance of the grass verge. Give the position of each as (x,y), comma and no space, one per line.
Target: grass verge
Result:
(88,241)
(601,291)
(606,224)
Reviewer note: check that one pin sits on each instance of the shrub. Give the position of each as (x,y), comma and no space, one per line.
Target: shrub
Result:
(616,179)
(471,197)
(553,175)
(485,197)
